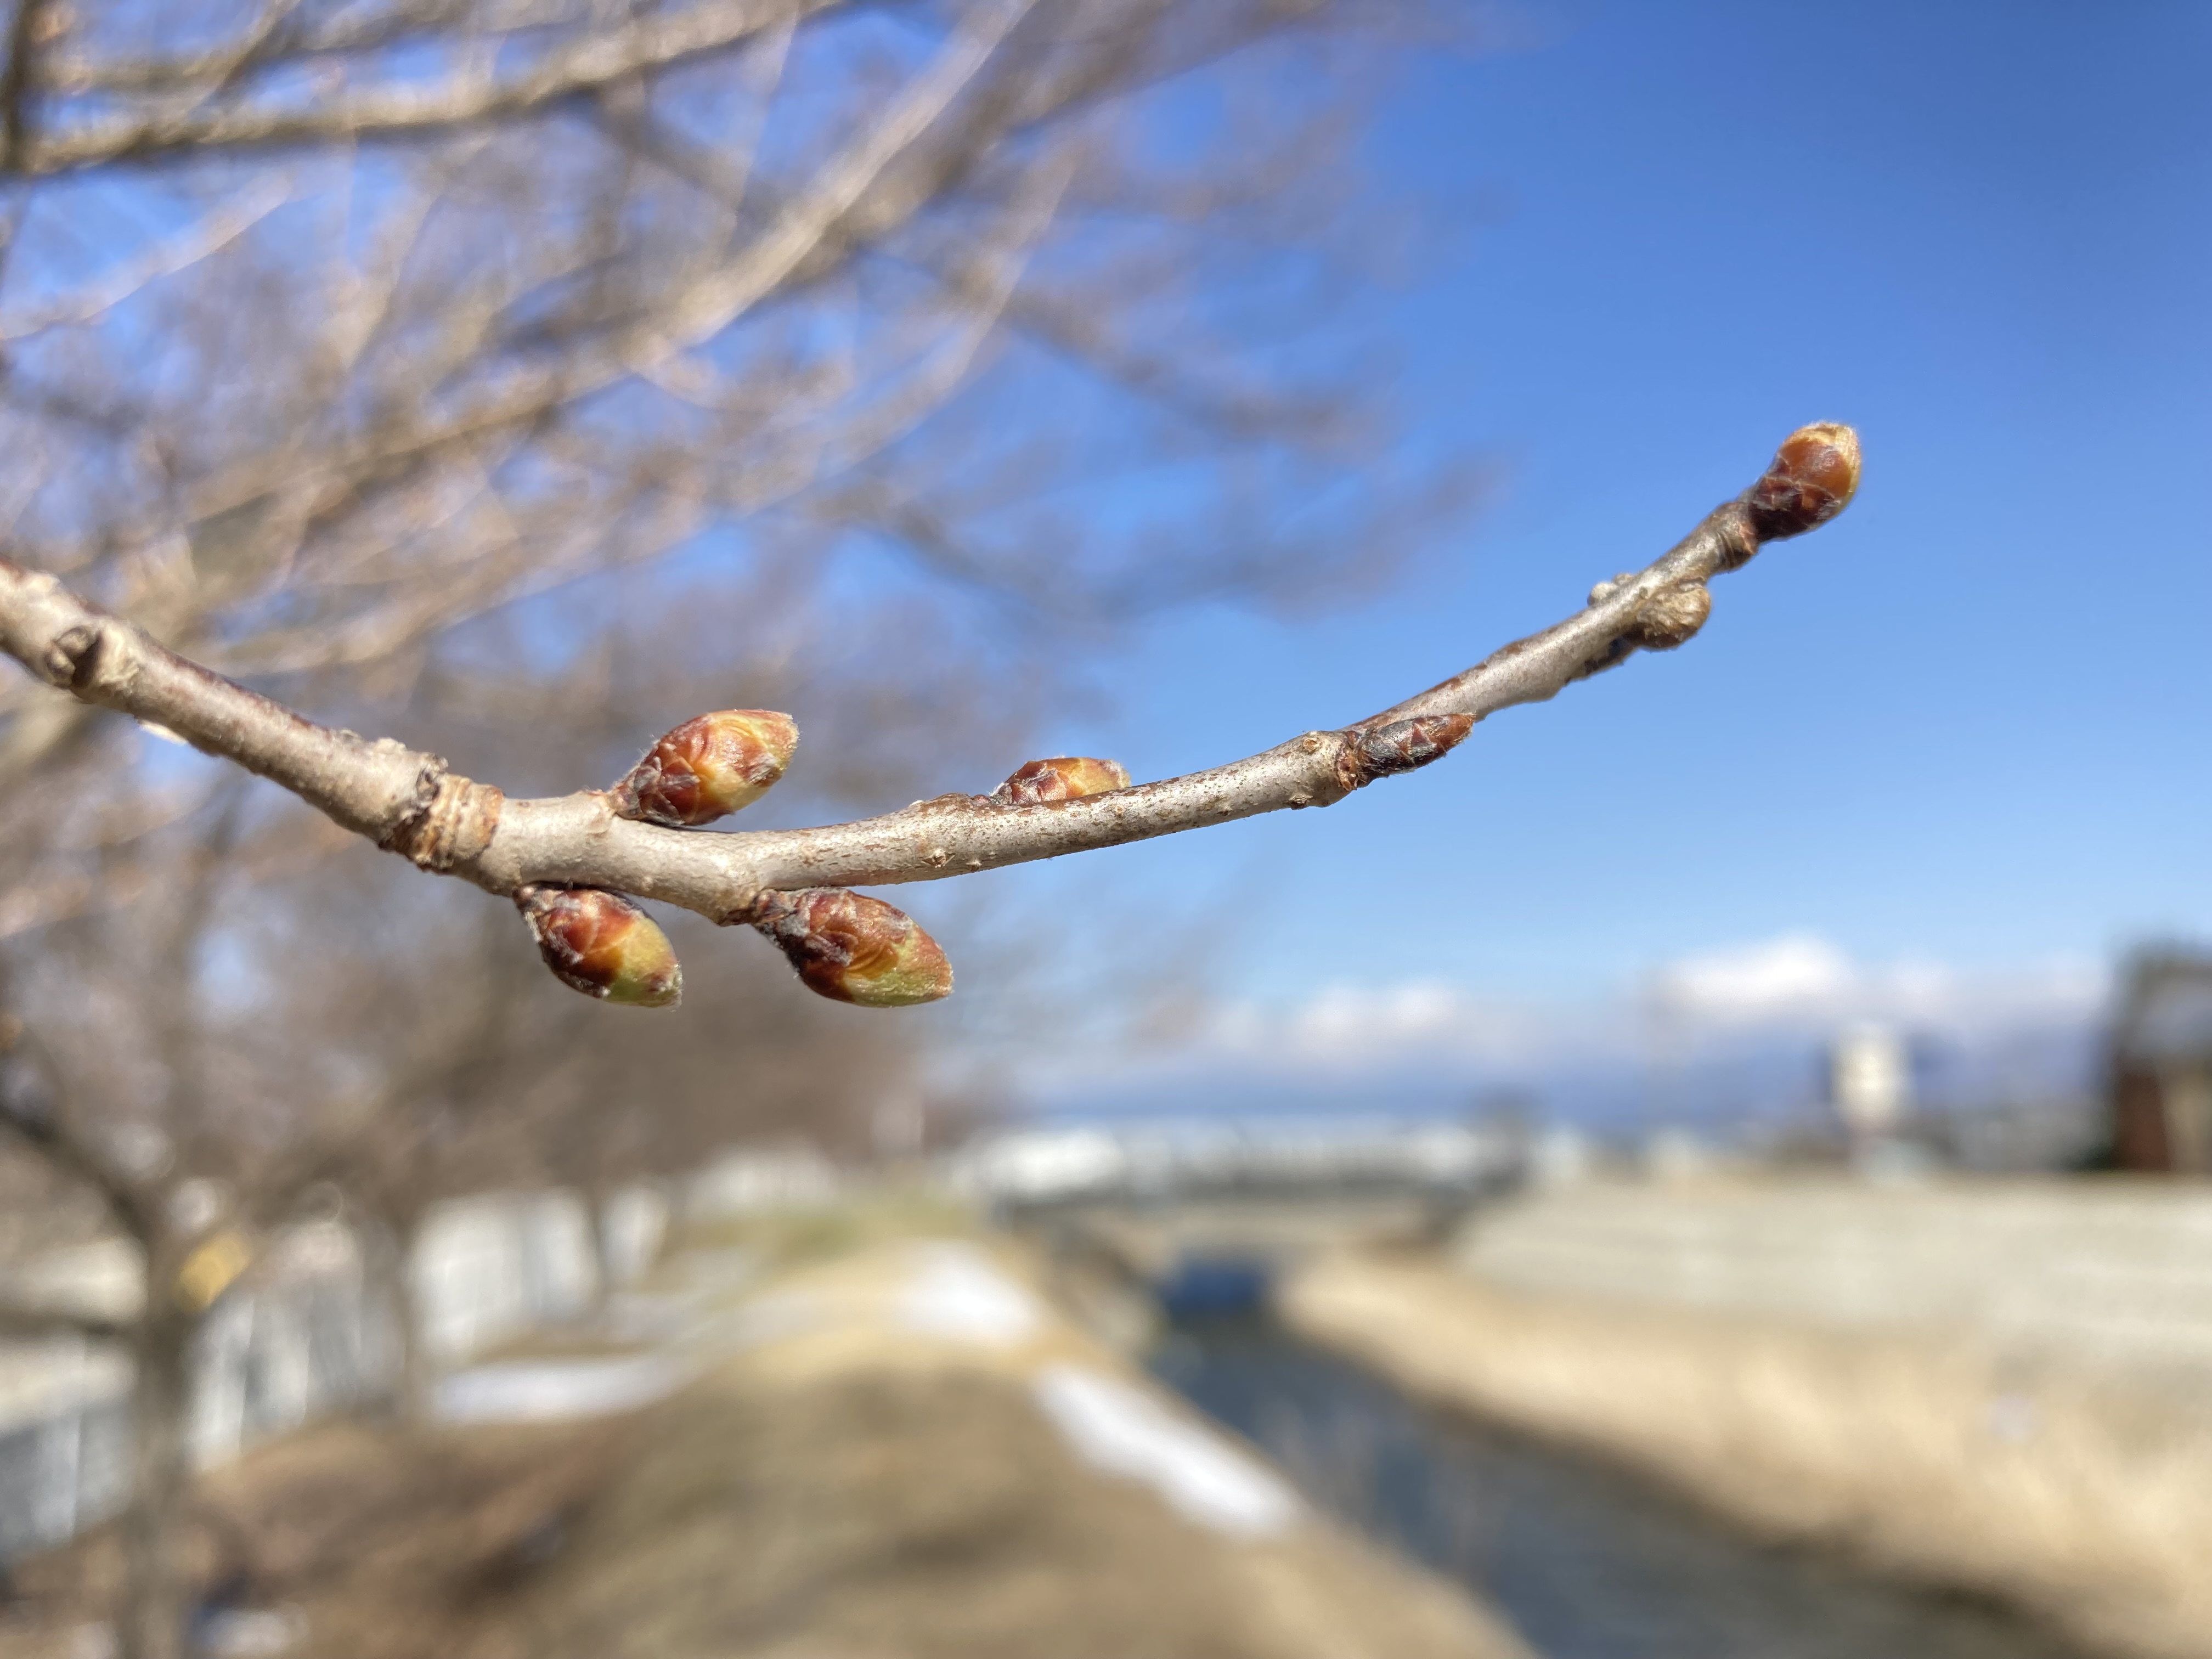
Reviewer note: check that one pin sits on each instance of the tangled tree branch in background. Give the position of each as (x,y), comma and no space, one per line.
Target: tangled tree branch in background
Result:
(381,353)
(568,861)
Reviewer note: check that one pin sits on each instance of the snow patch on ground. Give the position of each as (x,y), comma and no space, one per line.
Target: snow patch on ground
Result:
(956,1293)
(554,1390)
(1123,1430)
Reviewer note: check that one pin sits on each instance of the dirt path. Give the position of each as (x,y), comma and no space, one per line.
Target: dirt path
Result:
(903,1452)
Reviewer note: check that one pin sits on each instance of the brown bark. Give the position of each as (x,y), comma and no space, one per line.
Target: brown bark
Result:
(387,1251)
(409,802)
(596,1197)
(156,1591)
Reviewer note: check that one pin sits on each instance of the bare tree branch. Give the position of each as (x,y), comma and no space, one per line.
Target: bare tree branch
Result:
(25,31)
(350,30)
(409,802)
(166,259)
(33,1113)
(37,1322)
(652,42)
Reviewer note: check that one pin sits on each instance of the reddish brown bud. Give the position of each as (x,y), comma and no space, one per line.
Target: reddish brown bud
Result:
(851,948)
(708,767)
(602,944)
(1671,616)
(1400,747)
(1812,478)
(1065,777)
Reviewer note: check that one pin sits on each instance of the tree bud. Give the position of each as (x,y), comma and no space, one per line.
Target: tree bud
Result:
(851,948)
(1400,747)
(1812,478)
(1066,777)
(1671,616)
(602,944)
(708,767)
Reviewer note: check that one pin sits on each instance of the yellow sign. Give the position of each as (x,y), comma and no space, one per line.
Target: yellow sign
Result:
(211,1269)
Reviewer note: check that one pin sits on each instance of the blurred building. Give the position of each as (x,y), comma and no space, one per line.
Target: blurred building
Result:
(1869,1080)
(2162,1065)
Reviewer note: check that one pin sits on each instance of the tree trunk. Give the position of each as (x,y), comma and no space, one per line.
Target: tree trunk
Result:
(416,1385)
(387,1253)
(596,1219)
(156,1594)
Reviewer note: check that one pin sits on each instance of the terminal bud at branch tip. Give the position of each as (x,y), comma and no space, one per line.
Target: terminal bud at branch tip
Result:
(1811,479)
(602,944)
(708,767)
(851,948)
(1064,777)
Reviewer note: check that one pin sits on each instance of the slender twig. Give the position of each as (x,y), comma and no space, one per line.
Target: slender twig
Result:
(165,259)
(653,42)
(18,79)
(350,30)
(36,1323)
(43,1123)
(411,803)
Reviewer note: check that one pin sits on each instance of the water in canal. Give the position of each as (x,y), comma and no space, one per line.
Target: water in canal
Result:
(1585,1562)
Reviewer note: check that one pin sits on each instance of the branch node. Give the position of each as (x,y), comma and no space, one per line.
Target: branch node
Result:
(73,658)
(1735,537)
(453,820)
(1671,616)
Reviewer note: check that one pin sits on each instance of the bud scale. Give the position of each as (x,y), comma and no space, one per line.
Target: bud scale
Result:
(851,948)
(1063,777)
(708,767)
(601,944)
(1811,479)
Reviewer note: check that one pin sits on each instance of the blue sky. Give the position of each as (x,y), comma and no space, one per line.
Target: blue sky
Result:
(1965,724)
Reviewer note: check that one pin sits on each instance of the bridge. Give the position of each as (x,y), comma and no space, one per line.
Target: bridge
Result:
(1203,1219)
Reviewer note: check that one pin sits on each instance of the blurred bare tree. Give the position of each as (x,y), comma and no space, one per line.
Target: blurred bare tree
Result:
(329,328)
(348,346)
(261,1027)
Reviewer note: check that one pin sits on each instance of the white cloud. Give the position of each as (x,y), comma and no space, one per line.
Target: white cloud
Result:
(1801,981)
(1354,1025)
(1797,971)
(1797,984)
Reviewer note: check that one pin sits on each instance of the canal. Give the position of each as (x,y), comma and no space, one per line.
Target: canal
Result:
(1585,1562)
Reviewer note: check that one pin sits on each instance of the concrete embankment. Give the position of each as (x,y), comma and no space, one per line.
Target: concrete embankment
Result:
(1924,1379)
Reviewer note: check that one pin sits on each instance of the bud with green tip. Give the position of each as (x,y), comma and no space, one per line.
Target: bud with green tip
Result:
(602,944)
(708,767)
(1064,777)
(851,948)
